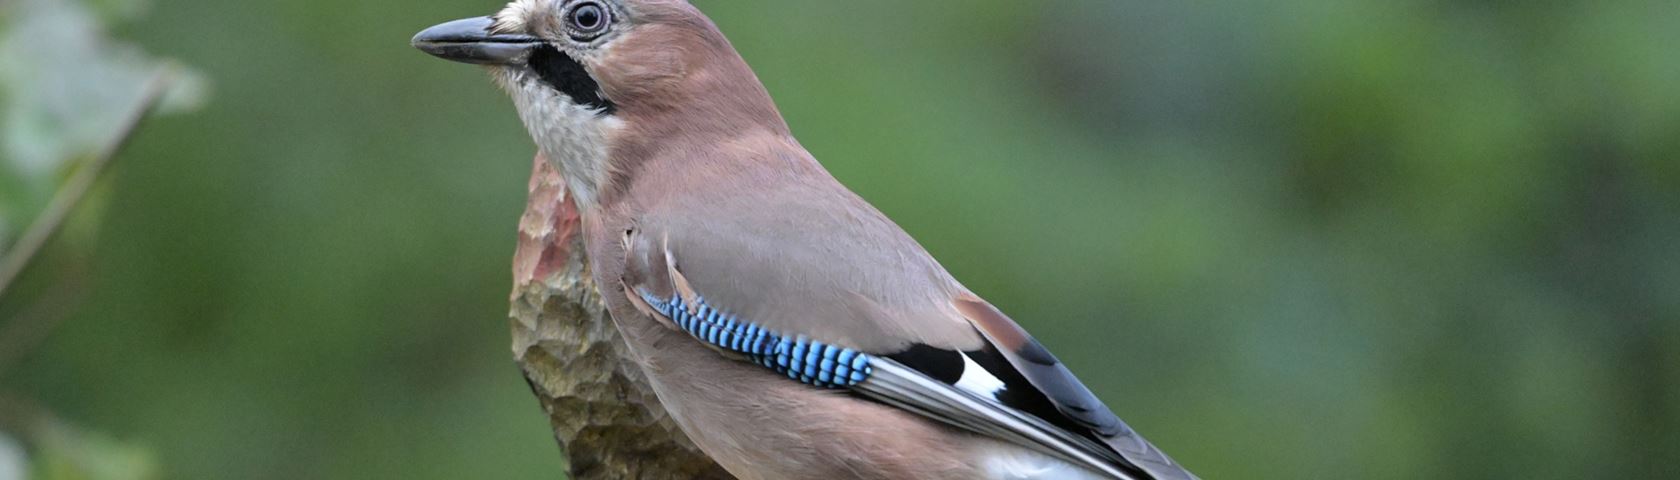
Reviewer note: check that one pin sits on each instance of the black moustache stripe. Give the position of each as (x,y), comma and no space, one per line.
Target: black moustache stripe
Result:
(567,76)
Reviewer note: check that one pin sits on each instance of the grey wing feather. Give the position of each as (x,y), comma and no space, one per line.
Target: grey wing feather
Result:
(900,386)
(1071,397)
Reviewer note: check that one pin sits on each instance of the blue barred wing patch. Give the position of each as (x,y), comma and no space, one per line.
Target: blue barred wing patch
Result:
(800,358)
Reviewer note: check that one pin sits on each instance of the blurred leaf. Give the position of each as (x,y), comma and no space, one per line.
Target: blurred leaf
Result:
(13,464)
(65,87)
(65,453)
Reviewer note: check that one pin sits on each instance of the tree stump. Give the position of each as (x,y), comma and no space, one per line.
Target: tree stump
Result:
(605,416)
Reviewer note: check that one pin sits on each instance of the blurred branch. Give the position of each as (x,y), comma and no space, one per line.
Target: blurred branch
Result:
(77,187)
(604,414)
(29,328)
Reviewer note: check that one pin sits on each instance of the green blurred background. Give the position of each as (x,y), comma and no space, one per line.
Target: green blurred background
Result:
(1287,239)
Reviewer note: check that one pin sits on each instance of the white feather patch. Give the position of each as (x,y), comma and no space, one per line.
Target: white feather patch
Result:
(1008,462)
(978,380)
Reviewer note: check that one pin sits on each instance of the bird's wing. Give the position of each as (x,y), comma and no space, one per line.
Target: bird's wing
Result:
(1028,360)
(841,298)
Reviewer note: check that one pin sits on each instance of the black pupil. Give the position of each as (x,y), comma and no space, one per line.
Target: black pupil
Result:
(587,17)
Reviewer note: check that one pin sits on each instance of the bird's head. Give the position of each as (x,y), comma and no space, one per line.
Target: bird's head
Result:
(593,76)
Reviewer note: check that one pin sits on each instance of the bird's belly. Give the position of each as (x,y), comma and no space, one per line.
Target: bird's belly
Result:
(760,425)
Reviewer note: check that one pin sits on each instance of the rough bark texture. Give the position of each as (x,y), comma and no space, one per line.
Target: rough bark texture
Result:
(606,418)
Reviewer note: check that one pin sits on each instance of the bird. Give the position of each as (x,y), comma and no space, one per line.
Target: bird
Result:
(790,328)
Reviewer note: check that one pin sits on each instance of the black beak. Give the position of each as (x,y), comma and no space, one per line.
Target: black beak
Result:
(469,40)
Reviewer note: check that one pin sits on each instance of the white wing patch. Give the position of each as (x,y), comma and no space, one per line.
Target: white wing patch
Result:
(977,380)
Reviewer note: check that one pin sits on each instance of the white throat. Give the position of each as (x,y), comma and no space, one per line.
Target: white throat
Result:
(573,137)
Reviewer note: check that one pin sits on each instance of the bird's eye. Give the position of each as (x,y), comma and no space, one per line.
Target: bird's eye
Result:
(587,20)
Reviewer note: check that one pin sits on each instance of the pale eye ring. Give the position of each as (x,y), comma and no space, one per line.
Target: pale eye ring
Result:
(587,20)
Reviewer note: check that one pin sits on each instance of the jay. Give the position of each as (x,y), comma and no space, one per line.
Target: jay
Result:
(790,328)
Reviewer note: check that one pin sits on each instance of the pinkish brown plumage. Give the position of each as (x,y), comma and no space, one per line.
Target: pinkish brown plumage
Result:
(741,273)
